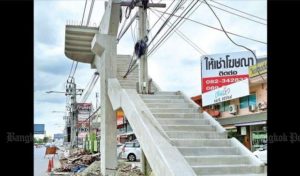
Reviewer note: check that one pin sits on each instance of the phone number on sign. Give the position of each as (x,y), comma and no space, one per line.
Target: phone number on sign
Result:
(223,80)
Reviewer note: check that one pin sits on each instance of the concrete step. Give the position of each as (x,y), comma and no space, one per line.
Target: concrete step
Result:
(124,69)
(174,110)
(177,115)
(128,80)
(204,151)
(201,142)
(128,87)
(166,93)
(182,121)
(188,128)
(164,100)
(127,84)
(150,97)
(217,160)
(194,135)
(122,73)
(169,105)
(228,169)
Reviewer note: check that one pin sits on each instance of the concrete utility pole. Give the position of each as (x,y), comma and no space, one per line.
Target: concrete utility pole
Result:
(72,91)
(142,35)
(104,45)
(143,66)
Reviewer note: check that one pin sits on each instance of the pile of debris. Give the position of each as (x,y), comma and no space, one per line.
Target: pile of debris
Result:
(127,169)
(76,162)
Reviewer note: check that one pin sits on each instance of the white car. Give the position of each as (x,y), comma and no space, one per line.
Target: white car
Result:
(131,151)
(261,153)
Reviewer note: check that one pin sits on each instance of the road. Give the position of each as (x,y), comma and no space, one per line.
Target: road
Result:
(41,163)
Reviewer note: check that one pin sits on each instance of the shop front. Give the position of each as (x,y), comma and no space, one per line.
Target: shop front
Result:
(251,130)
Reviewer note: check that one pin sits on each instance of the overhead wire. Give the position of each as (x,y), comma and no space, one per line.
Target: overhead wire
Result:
(230,38)
(83,12)
(91,87)
(184,37)
(238,10)
(121,30)
(88,20)
(238,15)
(133,63)
(88,84)
(90,12)
(164,24)
(238,35)
(177,21)
(161,16)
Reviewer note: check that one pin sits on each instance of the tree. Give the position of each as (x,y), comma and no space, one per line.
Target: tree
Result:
(45,140)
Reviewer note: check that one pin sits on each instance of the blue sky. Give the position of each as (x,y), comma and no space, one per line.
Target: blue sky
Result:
(174,66)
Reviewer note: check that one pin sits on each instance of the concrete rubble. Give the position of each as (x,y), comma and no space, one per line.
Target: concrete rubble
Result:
(81,163)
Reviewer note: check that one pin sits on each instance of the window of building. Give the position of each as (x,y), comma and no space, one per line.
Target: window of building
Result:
(223,106)
(245,102)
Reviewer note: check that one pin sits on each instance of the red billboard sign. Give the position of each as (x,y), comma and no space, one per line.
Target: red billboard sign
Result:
(219,70)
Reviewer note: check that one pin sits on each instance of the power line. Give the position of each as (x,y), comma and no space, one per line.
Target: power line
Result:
(75,69)
(164,24)
(71,69)
(121,30)
(177,21)
(93,114)
(83,12)
(161,16)
(90,88)
(184,37)
(238,35)
(238,10)
(90,12)
(230,38)
(238,15)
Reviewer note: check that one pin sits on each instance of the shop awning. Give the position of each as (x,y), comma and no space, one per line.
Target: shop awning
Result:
(227,127)
(251,123)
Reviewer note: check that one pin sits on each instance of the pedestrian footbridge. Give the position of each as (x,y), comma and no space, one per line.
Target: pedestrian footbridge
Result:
(176,138)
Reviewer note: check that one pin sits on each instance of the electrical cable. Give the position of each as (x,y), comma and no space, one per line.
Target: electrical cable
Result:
(161,16)
(238,35)
(90,12)
(164,24)
(130,7)
(178,20)
(83,12)
(121,30)
(184,37)
(238,10)
(238,15)
(231,39)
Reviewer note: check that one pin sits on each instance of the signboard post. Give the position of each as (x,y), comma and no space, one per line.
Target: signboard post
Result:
(223,69)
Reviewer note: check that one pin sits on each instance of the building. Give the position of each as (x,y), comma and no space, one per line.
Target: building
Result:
(246,117)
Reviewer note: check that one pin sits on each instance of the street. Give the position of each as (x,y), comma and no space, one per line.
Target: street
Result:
(41,162)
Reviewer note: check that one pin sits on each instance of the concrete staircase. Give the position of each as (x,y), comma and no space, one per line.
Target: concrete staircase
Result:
(207,151)
(130,82)
(197,137)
